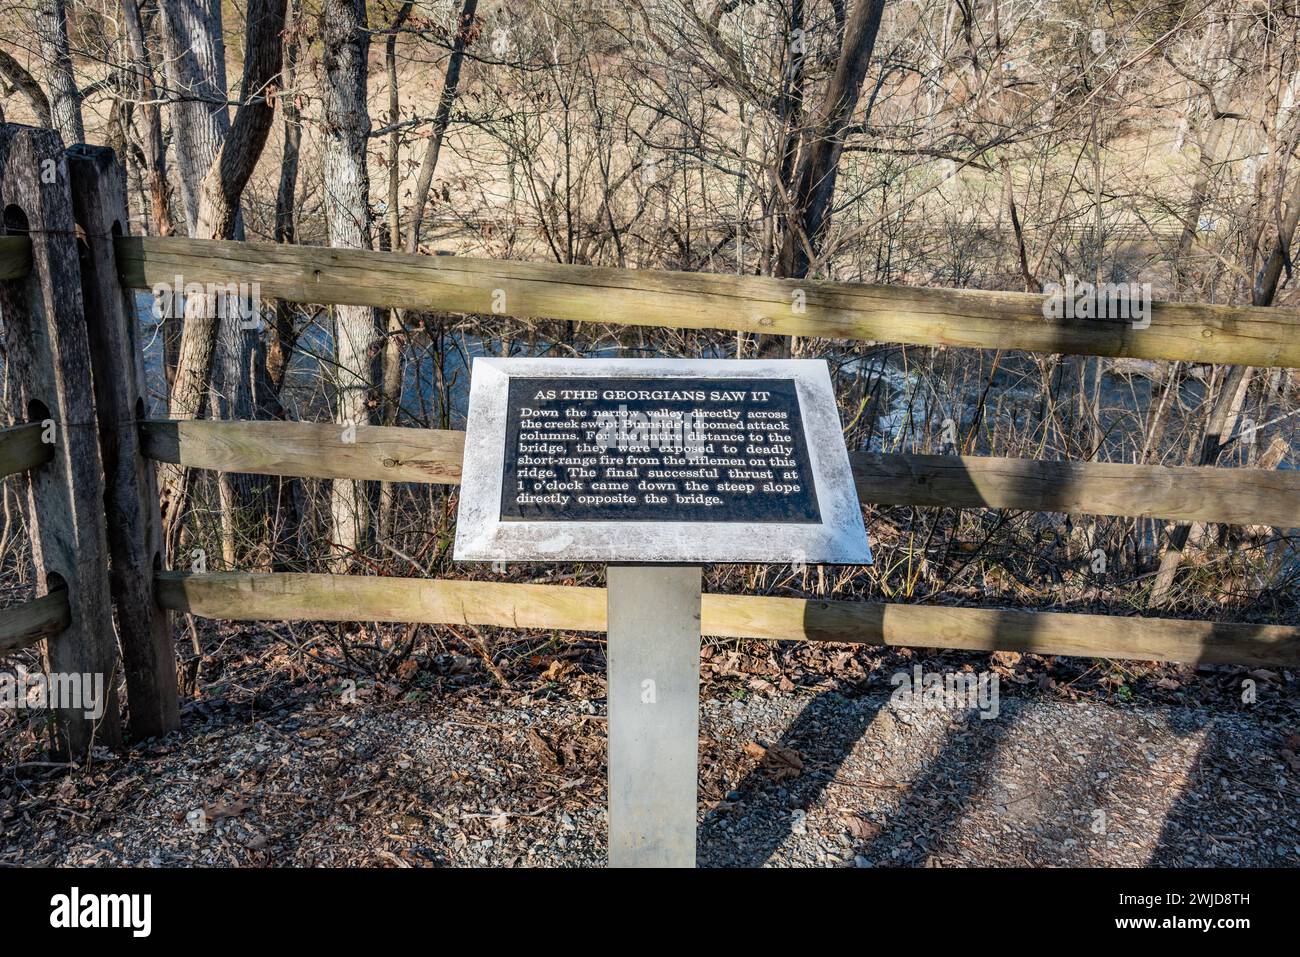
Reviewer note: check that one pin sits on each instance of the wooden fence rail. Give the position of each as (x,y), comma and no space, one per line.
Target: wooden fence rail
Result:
(830,310)
(307,449)
(317,450)
(24,625)
(242,596)
(1185,494)
(22,447)
(15,257)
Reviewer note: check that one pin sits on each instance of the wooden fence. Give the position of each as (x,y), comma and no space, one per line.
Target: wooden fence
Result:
(67,271)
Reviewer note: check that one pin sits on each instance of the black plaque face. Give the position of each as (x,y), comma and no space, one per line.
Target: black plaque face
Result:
(656,450)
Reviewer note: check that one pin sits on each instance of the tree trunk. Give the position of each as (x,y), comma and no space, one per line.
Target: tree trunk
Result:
(1223,418)
(215,210)
(155,149)
(195,57)
(65,98)
(441,120)
(347,219)
(285,334)
(395,337)
(16,75)
(813,189)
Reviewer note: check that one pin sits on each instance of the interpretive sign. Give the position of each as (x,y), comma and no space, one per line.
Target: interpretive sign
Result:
(656,460)
(655,466)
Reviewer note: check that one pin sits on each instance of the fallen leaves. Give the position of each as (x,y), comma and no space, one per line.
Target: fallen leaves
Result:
(224,809)
(1004,661)
(407,670)
(556,670)
(778,763)
(543,750)
(859,828)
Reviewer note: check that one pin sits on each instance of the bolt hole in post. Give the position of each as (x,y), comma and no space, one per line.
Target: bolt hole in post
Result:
(15,221)
(37,411)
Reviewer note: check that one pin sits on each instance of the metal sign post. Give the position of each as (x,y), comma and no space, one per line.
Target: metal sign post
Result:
(652,668)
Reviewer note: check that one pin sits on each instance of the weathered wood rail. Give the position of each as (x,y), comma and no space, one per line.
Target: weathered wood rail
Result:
(22,626)
(84,456)
(814,308)
(243,596)
(22,448)
(377,453)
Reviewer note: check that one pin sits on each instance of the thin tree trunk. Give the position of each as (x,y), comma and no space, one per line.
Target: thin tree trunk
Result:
(285,519)
(441,120)
(215,213)
(1223,416)
(195,57)
(347,219)
(1197,197)
(394,136)
(155,149)
(813,189)
(239,150)
(395,335)
(17,76)
(65,98)
(286,231)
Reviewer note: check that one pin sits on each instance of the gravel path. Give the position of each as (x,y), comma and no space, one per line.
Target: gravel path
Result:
(817,780)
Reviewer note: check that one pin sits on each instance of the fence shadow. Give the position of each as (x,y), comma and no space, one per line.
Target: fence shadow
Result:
(1193,831)
(1190,806)
(824,732)
(937,798)
(1203,810)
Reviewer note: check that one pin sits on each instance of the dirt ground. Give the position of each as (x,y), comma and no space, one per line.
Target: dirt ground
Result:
(461,760)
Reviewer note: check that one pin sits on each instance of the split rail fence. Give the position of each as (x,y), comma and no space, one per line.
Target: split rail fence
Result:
(67,274)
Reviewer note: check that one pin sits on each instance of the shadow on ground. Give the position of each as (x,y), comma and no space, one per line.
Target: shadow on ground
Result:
(1046,783)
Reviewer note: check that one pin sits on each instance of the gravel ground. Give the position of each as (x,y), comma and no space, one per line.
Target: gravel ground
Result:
(810,778)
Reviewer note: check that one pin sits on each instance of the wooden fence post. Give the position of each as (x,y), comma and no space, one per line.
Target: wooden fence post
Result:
(49,358)
(131,490)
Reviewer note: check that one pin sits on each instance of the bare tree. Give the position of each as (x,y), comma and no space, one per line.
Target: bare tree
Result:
(145,89)
(215,203)
(1273,229)
(18,77)
(285,333)
(812,188)
(195,56)
(347,218)
(465,31)
(65,98)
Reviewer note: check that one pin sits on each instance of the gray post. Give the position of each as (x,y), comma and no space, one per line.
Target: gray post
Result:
(653,674)
(49,358)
